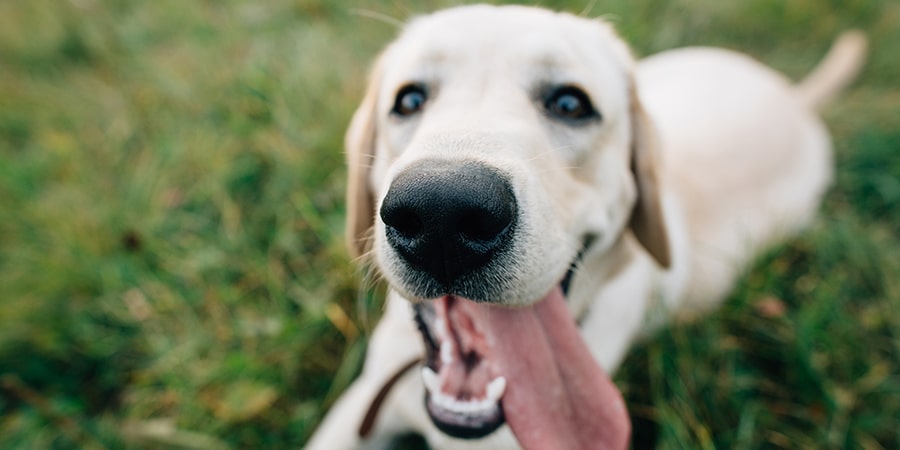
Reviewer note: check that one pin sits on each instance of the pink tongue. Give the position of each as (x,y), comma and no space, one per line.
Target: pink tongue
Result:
(557,397)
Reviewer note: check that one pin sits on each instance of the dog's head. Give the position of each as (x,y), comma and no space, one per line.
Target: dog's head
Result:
(494,146)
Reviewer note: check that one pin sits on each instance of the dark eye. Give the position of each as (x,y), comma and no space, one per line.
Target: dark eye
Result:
(410,100)
(569,103)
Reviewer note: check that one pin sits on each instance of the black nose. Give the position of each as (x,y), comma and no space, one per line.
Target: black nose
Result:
(447,218)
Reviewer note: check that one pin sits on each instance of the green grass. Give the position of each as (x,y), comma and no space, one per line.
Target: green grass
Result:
(172,271)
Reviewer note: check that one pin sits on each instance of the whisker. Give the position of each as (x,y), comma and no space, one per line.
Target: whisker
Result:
(380,17)
(406,9)
(609,17)
(370,277)
(588,8)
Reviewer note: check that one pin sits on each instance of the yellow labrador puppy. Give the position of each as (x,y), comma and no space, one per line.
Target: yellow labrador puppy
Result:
(536,200)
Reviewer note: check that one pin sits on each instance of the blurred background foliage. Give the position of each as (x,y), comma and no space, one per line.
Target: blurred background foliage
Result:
(172,271)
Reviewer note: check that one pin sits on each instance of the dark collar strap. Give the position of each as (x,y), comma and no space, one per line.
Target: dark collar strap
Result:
(369,420)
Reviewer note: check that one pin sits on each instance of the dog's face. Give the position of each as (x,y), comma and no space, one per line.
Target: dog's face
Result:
(543,103)
(494,148)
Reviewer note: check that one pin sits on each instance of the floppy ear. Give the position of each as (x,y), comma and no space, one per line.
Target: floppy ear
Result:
(647,220)
(359,143)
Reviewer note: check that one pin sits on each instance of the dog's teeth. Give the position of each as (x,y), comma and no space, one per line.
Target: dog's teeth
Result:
(475,407)
(484,406)
(495,389)
(440,328)
(430,378)
(446,352)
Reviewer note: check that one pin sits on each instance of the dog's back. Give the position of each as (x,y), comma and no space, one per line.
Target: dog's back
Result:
(745,176)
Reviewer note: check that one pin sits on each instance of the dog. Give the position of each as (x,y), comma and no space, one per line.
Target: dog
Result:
(537,200)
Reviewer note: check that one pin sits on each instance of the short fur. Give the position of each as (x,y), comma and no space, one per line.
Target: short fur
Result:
(702,159)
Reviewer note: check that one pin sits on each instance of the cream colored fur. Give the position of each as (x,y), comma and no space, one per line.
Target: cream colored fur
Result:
(702,159)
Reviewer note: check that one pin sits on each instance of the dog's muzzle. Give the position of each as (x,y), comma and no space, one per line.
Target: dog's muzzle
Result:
(448,219)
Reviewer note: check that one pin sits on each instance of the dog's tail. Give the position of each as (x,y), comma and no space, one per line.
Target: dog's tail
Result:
(839,67)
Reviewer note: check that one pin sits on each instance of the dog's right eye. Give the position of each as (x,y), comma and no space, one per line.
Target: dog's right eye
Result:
(569,103)
(410,100)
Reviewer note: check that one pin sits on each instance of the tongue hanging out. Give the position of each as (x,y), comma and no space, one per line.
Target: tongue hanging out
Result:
(527,366)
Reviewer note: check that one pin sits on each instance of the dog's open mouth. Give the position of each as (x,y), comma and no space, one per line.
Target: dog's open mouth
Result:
(529,367)
(462,382)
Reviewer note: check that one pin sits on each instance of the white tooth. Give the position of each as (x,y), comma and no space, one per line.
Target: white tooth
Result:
(496,388)
(430,378)
(440,328)
(443,400)
(450,403)
(447,352)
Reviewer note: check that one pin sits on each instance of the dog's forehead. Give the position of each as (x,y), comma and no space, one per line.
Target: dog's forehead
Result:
(462,29)
(505,38)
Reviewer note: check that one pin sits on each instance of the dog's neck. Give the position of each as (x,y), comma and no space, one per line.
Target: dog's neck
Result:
(604,267)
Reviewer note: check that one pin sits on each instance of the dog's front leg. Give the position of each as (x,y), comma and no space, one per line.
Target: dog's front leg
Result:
(366,416)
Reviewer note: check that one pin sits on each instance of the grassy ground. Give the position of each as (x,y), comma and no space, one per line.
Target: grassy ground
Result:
(172,273)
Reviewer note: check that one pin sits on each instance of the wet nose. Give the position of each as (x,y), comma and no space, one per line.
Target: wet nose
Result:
(448,218)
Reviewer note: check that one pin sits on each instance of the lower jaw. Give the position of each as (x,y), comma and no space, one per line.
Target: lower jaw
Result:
(464,426)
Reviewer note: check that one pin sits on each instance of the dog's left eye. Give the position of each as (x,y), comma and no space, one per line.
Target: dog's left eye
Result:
(410,100)
(569,103)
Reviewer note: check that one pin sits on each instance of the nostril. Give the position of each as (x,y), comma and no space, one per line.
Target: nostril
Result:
(483,225)
(404,221)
